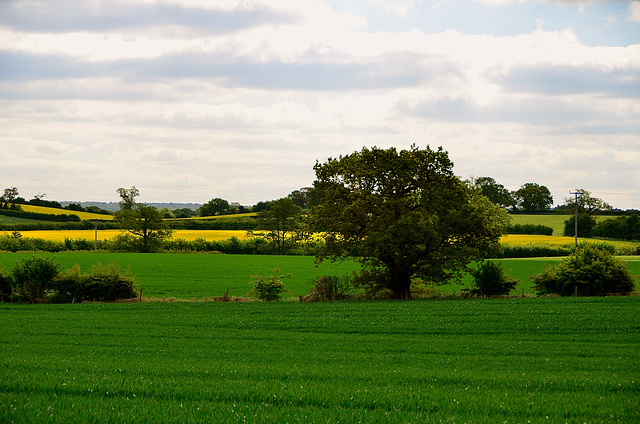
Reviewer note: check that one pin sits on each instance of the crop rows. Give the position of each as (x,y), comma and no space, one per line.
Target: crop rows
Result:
(537,360)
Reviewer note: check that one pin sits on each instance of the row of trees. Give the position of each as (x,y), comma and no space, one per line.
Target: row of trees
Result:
(530,197)
(404,215)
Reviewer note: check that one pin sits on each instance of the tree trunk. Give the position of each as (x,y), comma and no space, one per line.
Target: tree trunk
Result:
(400,285)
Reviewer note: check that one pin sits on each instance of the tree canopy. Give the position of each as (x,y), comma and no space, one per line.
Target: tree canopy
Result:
(281,223)
(587,204)
(141,219)
(403,215)
(533,197)
(214,207)
(494,191)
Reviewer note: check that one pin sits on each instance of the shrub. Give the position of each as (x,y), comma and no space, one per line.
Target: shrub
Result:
(490,280)
(534,229)
(590,270)
(268,288)
(6,285)
(621,227)
(331,288)
(66,285)
(105,283)
(32,277)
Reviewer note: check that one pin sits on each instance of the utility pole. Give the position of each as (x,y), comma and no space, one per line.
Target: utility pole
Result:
(578,191)
(95,240)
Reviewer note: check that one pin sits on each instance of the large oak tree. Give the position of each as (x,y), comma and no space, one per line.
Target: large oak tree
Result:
(403,215)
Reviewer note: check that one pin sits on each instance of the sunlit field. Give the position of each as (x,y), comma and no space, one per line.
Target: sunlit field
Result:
(56,211)
(190,235)
(549,360)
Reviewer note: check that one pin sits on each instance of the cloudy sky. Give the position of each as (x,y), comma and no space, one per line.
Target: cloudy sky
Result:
(193,99)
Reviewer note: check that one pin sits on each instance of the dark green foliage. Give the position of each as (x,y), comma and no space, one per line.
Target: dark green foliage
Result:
(214,207)
(281,225)
(532,197)
(268,288)
(490,280)
(586,225)
(6,285)
(331,288)
(104,283)
(228,222)
(32,277)
(590,270)
(405,215)
(495,192)
(532,229)
(142,220)
(532,251)
(28,244)
(184,213)
(621,227)
(41,216)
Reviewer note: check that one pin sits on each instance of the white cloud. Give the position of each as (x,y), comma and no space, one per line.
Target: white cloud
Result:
(634,11)
(183,110)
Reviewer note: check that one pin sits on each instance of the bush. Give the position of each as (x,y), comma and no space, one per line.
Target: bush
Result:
(490,280)
(590,270)
(533,229)
(66,285)
(105,283)
(331,288)
(621,227)
(269,288)
(6,285)
(533,251)
(32,277)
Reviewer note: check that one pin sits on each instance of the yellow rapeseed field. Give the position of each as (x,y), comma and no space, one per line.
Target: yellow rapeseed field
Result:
(524,239)
(55,211)
(60,235)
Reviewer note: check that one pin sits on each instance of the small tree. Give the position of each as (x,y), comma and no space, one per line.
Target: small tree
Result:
(586,225)
(490,280)
(8,199)
(590,270)
(32,277)
(281,222)
(586,204)
(532,197)
(268,288)
(142,220)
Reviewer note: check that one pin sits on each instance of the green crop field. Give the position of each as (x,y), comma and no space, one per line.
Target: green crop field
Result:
(198,276)
(195,276)
(554,221)
(543,360)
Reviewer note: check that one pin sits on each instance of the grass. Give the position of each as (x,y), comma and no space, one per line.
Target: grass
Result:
(198,276)
(509,360)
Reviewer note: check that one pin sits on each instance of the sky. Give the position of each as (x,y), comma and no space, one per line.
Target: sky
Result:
(190,100)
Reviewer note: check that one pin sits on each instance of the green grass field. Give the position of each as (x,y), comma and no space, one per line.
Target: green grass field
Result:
(554,221)
(543,360)
(198,276)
